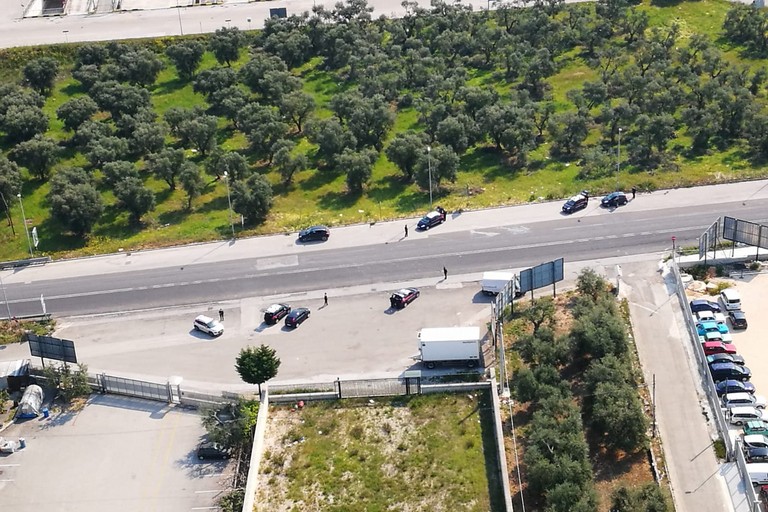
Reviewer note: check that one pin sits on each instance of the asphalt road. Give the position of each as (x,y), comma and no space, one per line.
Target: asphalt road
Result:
(462,248)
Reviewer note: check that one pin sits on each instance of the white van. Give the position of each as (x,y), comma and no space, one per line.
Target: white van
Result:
(741,415)
(755,441)
(758,473)
(730,299)
(731,400)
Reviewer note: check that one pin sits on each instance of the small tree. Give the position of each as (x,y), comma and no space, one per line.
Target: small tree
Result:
(186,57)
(68,383)
(76,111)
(117,171)
(10,179)
(404,151)
(287,163)
(252,198)
(41,73)
(135,197)
(226,43)
(257,365)
(38,154)
(166,165)
(191,181)
(359,166)
(74,200)
(297,106)
(22,122)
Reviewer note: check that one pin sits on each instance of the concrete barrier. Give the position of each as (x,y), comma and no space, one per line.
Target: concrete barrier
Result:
(256,451)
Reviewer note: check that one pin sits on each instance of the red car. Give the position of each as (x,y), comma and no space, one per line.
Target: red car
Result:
(718,347)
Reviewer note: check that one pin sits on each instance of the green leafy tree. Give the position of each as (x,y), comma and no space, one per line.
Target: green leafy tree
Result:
(88,75)
(359,167)
(331,138)
(140,67)
(599,332)
(405,150)
(452,132)
(38,154)
(443,163)
(120,99)
(254,72)
(286,162)
(175,116)
(22,122)
(596,163)
(186,57)
(148,138)
(297,106)
(591,284)
(166,165)
(135,197)
(117,171)
(263,126)
(68,383)
(10,179)
(252,198)
(568,131)
(619,417)
(209,81)
(230,162)
(540,312)
(74,200)
(225,44)
(198,133)
(192,182)
(648,498)
(75,112)
(106,149)
(91,54)
(256,365)
(41,74)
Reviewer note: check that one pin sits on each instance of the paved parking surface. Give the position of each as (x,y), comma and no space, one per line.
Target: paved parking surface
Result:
(117,454)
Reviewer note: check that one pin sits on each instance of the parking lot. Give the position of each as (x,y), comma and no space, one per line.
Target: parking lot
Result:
(118,454)
(357,335)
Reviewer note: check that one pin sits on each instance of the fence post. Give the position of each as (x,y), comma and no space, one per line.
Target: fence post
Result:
(338,388)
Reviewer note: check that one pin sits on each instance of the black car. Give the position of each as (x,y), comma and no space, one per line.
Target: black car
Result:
(432,219)
(726,371)
(577,202)
(614,199)
(756,454)
(704,305)
(403,297)
(296,317)
(738,319)
(734,386)
(275,312)
(725,358)
(314,234)
(210,450)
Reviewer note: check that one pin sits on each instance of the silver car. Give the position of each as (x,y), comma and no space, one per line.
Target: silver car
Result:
(208,325)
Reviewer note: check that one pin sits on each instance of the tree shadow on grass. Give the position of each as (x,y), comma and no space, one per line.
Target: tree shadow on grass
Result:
(170,86)
(215,204)
(338,200)
(388,188)
(490,162)
(73,89)
(319,178)
(116,224)
(58,238)
(174,216)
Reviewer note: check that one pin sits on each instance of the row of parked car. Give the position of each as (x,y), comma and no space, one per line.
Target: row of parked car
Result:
(581,201)
(737,395)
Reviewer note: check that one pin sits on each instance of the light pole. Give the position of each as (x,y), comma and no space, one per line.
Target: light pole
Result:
(178,10)
(429,167)
(24,218)
(5,296)
(618,160)
(229,201)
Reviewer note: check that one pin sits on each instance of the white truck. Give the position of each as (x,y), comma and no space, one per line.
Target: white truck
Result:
(493,282)
(450,345)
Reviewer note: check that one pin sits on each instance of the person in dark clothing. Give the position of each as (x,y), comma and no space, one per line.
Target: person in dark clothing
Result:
(221,315)
(325,299)
(406,231)
(634,192)
(445,273)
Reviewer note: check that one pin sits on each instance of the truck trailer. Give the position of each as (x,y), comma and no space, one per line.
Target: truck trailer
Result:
(450,345)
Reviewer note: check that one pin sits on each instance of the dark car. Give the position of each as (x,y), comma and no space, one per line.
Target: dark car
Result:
(275,312)
(403,297)
(738,319)
(704,305)
(725,358)
(614,199)
(432,219)
(296,317)
(756,454)
(210,450)
(726,371)
(577,202)
(734,386)
(314,234)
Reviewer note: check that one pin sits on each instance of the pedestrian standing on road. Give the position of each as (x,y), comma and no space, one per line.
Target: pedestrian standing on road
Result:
(634,192)
(445,273)
(325,299)
(406,231)
(221,315)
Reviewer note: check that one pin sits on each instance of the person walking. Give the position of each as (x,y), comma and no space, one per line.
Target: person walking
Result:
(445,273)
(634,192)
(325,299)
(406,231)
(221,315)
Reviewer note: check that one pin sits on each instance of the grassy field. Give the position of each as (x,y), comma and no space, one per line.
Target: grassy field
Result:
(429,452)
(484,179)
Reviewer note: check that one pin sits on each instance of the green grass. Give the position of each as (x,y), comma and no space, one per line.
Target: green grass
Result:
(406,453)
(484,179)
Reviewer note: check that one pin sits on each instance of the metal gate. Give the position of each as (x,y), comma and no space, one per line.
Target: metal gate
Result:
(373,387)
(137,388)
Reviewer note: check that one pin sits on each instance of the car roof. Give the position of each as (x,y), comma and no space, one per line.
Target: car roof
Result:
(298,310)
(724,366)
(755,438)
(433,214)
(204,319)
(577,197)
(745,409)
(274,308)
(737,396)
(737,313)
(730,293)
(405,291)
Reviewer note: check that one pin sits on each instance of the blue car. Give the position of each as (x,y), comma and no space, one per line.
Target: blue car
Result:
(734,386)
(704,327)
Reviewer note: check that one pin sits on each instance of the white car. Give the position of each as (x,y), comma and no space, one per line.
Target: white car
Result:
(208,325)
(743,399)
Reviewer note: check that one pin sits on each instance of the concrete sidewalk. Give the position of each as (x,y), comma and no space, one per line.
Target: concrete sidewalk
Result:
(372,234)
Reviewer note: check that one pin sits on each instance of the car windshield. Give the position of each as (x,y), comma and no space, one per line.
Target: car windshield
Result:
(211,324)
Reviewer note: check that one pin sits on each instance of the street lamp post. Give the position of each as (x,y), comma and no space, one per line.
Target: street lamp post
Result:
(229,201)
(429,167)
(618,160)
(26,231)
(178,11)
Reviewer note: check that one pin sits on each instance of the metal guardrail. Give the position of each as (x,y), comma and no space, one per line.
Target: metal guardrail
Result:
(4,265)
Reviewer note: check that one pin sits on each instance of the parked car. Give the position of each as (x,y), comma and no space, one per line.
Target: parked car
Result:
(704,305)
(742,399)
(296,317)
(734,386)
(705,327)
(730,299)
(728,371)
(432,219)
(743,415)
(614,199)
(275,313)
(403,297)
(755,441)
(756,454)
(756,427)
(718,347)
(210,450)
(725,358)
(738,319)
(314,234)
(577,202)
(208,325)
(716,336)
